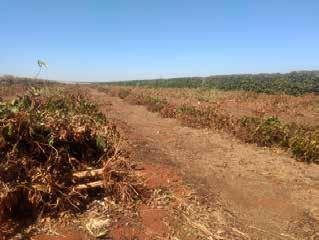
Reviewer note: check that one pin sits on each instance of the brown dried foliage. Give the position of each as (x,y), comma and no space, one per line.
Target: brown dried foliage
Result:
(45,137)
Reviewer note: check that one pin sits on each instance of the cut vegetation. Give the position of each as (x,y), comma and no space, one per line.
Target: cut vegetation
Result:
(58,153)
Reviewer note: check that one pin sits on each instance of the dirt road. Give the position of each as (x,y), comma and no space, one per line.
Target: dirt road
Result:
(270,195)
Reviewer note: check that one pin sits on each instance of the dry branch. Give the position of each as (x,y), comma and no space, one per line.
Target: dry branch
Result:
(90,185)
(88,173)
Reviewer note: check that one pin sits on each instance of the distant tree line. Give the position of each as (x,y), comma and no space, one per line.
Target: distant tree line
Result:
(7,80)
(293,83)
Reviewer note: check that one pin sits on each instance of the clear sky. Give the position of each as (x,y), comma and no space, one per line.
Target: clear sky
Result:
(103,40)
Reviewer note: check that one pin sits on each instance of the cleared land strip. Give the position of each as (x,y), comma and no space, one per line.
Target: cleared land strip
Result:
(268,191)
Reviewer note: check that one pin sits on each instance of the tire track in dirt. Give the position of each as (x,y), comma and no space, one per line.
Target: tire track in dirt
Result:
(271,194)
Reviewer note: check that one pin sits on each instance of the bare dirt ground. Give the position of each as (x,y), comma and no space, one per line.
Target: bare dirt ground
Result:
(253,192)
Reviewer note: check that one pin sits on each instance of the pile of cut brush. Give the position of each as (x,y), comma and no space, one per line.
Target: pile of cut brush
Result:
(57,153)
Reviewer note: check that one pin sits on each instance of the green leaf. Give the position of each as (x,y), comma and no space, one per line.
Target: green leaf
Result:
(51,141)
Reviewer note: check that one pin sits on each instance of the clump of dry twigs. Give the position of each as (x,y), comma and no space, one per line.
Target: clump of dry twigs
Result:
(46,137)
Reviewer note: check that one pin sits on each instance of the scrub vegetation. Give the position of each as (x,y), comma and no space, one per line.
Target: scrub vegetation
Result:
(265,121)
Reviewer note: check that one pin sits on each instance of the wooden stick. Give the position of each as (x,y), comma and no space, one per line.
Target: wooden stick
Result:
(88,173)
(90,185)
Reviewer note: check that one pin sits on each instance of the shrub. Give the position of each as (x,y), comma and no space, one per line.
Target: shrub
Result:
(123,93)
(168,111)
(305,144)
(154,104)
(265,132)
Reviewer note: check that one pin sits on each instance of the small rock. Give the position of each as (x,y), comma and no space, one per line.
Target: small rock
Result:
(98,227)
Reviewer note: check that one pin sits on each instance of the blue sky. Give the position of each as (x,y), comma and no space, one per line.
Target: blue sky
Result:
(103,40)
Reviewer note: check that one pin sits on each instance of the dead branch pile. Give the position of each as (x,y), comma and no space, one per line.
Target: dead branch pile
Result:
(48,138)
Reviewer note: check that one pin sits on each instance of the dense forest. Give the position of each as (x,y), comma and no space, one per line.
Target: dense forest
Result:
(294,83)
